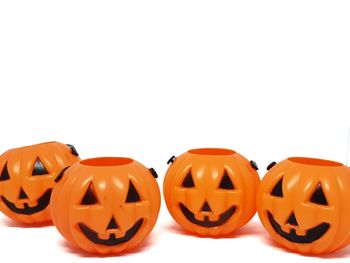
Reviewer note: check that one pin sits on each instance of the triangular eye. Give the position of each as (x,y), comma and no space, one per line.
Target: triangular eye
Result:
(133,196)
(277,190)
(188,181)
(39,168)
(318,196)
(226,182)
(4,174)
(90,196)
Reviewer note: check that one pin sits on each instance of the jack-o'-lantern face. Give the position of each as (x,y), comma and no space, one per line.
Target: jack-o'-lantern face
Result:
(303,203)
(111,234)
(211,191)
(205,215)
(311,234)
(106,205)
(27,176)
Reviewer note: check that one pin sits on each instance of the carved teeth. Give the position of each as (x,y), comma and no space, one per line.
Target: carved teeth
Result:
(199,216)
(20,205)
(32,203)
(292,231)
(213,217)
(301,232)
(286,228)
(103,235)
(107,235)
(120,234)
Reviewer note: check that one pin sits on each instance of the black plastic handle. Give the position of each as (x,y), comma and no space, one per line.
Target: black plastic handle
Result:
(272,164)
(60,175)
(73,150)
(254,165)
(153,172)
(171,160)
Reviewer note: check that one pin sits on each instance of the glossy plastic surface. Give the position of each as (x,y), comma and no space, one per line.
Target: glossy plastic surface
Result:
(304,204)
(27,176)
(211,191)
(106,205)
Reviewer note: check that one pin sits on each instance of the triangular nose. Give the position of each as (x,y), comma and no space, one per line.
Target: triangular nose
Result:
(112,224)
(206,207)
(292,220)
(22,194)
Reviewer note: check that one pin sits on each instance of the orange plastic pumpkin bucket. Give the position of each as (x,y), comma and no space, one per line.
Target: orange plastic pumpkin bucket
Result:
(211,191)
(304,204)
(27,176)
(106,205)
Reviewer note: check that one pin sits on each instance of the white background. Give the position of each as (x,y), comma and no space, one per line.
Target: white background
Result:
(149,79)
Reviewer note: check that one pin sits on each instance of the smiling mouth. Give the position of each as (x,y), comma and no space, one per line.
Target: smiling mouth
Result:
(223,218)
(112,240)
(312,234)
(43,202)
